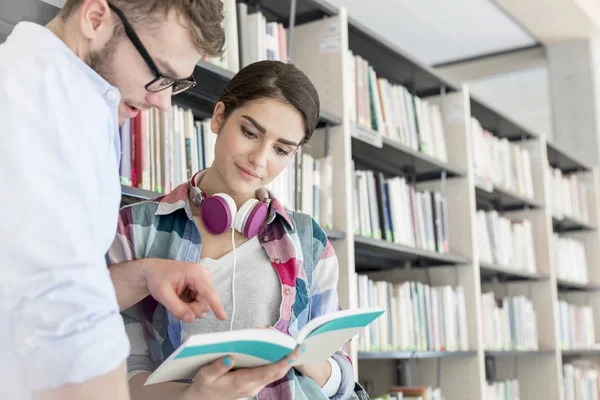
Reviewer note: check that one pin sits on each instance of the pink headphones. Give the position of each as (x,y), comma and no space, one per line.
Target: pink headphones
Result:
(219,212)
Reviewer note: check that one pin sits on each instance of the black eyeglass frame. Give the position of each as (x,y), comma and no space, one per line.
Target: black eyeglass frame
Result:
(137,43)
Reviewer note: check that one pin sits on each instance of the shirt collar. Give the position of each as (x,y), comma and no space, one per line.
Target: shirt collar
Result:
(38,38)
(179,199)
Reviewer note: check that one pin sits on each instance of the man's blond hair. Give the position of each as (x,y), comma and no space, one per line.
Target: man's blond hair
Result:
(204,18)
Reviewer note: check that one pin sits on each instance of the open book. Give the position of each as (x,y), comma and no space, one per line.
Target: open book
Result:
(322,336)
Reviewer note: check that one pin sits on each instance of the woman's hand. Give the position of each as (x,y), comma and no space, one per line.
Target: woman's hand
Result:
(319,373)
(216,381)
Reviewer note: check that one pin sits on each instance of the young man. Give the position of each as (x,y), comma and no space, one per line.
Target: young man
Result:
(64,91)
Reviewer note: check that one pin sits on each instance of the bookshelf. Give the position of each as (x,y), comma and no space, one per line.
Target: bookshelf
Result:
(409,355)
(319,45)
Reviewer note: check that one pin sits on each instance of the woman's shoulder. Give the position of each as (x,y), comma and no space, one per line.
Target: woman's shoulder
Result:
(307,225)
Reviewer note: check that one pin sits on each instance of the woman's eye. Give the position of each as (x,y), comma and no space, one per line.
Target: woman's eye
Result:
(248,133)
(282,152)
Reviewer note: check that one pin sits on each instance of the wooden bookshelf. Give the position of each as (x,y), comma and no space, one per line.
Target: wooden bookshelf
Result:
(566,285)
(518,353)
(409,355)
(495,197)
(569,224)
(581,352)
(371,251)
(563,160)
(396,158)
(503,273)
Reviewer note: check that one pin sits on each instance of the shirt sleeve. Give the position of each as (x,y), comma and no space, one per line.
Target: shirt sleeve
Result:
(324,299)
(123,249)
(332,386)
(59,307)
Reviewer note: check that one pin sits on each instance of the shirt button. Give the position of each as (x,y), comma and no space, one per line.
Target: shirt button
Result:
(265,238)
(278,261)
(111,95)
(287,292)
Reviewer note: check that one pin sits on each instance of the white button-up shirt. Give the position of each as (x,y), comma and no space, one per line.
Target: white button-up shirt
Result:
(59,199)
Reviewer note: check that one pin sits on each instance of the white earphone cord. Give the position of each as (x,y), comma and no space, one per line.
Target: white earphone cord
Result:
(233,278)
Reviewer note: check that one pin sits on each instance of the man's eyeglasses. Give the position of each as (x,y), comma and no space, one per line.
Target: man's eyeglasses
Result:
(160,82)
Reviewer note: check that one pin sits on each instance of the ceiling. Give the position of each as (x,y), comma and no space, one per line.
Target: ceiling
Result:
(438,31)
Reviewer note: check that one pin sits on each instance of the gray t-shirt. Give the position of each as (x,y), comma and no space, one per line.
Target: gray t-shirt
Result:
(257,291)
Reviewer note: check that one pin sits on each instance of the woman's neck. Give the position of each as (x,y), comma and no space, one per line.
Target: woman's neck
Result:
(212,183)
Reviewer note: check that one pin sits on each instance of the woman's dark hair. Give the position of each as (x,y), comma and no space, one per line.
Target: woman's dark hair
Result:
(277,81)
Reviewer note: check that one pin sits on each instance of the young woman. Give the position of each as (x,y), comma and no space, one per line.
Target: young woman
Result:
(280,279)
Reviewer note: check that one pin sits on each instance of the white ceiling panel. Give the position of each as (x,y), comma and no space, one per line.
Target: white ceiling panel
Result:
(438,31)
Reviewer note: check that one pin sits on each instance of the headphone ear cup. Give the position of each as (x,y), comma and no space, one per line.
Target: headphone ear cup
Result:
(251,217)
(218,213)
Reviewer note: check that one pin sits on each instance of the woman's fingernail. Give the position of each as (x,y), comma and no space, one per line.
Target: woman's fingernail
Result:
(202,315)
(189,317)
(291,361)
(303,350)
(227,361)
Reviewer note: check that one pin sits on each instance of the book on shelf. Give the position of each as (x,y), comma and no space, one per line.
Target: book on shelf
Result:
(393,112)
(259,39)
(506,165)
(418,317)
(322,336)
(416,393)
(569,259)
(163,149)
(390,209)
(508,323)
(230,59)
(568,195)
(505,242)
(580,380)
(505,390)
(577,329)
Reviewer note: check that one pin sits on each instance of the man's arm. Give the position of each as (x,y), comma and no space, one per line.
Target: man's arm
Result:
(59,306)
(129,280)
(110,386)
(184,288)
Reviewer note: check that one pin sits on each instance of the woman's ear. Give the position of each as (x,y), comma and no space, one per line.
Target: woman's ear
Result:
(218,118)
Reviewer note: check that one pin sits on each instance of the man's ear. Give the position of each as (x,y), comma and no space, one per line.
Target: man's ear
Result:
(218,118)
(94,18)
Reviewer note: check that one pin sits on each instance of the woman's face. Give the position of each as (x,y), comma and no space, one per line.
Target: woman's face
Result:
(255,143)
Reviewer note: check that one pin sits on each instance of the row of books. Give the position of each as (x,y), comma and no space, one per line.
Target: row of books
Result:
(509,323)
(506,390)
(569,259)
(306,186)
(568,195)
(418,317)
(504,164)
(390,209)
(249,38)
(505,242)
(580,381)
(577,329)
(393,112)
(411,393)
(163,149)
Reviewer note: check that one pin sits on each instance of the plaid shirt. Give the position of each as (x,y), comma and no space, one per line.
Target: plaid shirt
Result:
(164,228)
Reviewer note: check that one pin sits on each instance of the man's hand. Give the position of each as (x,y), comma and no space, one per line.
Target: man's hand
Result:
(185,289)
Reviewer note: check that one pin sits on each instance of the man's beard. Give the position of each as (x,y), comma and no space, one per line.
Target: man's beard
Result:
(102,60)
